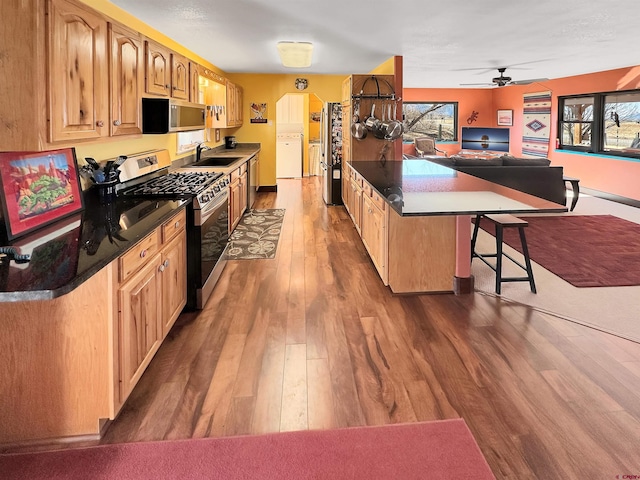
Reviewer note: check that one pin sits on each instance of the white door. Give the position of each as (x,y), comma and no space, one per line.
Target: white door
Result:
(289,155)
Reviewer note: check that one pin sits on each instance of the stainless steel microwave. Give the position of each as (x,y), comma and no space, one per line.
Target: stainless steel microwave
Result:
(164,115)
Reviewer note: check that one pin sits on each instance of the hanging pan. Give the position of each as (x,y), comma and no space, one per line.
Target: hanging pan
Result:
(358,130)
(394,128)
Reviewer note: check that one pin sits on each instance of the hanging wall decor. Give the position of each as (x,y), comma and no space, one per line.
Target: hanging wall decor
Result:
(38,188)
(536,124)
(258,113)
(505,118)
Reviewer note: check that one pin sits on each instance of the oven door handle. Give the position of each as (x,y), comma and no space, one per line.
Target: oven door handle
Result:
(202,215)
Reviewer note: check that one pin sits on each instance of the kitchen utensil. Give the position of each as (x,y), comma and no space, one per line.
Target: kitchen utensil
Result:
(356,112)
(386,121)
(379,129)
(119,161)
(92,162)
(394,128)
(372,123)
(358,130)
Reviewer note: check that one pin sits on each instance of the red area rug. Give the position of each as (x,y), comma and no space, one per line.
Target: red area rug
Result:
(584,250)
(443,450)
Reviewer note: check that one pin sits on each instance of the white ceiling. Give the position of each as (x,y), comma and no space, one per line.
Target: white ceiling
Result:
(443,44)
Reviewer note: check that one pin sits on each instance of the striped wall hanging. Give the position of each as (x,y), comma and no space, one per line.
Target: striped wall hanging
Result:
(536,124)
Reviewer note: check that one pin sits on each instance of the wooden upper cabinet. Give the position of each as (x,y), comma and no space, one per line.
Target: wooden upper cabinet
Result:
(158,69)
(179,77)
(346,90)
(127,67)
(194,83)
(78,80)
(234,105)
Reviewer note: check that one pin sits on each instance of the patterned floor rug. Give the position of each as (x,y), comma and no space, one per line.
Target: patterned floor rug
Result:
(257,234)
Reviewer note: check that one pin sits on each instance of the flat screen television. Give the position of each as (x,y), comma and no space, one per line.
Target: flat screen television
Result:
(481,138)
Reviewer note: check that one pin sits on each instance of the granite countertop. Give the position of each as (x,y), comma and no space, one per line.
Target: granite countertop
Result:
(66,254)
(420,187)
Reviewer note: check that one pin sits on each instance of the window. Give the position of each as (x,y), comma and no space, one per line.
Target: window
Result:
(437,120)
(622,123)
(601,123)
(577,122)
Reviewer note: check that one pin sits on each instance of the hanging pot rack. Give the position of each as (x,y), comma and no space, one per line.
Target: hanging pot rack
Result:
(378,96)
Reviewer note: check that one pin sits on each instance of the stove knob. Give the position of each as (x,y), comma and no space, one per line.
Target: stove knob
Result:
(205,198)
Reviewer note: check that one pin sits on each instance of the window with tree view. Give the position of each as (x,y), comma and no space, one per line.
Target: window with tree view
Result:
(601,123)
(430,119)
(622,123)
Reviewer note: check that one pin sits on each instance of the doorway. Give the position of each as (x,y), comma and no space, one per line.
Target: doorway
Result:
(298,135)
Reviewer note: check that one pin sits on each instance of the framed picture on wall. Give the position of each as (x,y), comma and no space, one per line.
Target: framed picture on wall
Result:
(37,189)
(505,118)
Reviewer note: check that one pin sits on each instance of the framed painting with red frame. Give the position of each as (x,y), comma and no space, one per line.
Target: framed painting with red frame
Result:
(38,189)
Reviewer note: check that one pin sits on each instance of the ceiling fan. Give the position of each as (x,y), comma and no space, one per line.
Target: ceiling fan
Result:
(504,80)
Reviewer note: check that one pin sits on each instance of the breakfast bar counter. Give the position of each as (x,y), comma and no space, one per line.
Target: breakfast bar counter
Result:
(420,187)
(414,218)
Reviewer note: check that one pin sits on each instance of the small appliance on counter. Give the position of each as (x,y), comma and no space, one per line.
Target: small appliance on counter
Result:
(230,142)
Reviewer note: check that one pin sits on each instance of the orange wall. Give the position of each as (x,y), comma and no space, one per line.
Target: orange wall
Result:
(469,100)
(607,174)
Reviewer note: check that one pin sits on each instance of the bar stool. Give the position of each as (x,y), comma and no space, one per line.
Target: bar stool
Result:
(502,221)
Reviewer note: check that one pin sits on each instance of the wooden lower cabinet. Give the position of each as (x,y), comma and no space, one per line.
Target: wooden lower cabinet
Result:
(174,280)
(422,253)
(374,234)
(151,300)
(357,205)
(57,363)
(140,325)
(412,254)
(237,196)
(69,363)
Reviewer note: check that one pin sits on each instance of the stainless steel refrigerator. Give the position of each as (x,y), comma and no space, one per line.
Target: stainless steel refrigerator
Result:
(331,153)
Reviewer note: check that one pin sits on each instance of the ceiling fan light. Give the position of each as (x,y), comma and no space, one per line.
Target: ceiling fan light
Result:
(295,54)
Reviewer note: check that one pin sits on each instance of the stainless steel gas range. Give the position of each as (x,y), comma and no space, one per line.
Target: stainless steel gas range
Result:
(147,175)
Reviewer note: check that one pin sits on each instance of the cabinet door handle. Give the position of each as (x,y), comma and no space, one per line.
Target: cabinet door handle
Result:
(166,263)
(100,123)
(177,225)
(117,123)
(161,268)
(143,253)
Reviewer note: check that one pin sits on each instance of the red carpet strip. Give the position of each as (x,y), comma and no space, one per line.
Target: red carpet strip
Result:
(439,450)
(584,250)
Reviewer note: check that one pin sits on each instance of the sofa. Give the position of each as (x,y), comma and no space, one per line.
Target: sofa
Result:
(534,176)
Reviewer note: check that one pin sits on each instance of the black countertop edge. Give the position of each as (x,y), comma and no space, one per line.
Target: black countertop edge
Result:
(95,264)
(388,176)
(474,212)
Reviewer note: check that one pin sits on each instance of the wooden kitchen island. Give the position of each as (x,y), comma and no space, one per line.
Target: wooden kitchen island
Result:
(414,218)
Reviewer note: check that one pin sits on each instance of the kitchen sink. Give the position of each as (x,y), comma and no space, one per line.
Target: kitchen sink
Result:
(215,161)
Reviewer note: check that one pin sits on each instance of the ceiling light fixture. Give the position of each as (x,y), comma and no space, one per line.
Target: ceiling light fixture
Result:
(295,54)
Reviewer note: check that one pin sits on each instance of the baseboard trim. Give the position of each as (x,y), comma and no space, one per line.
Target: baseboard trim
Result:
(267,188)
(463,285)
(611,197)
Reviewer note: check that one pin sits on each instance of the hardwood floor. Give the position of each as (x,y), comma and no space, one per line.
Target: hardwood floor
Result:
(313,340)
